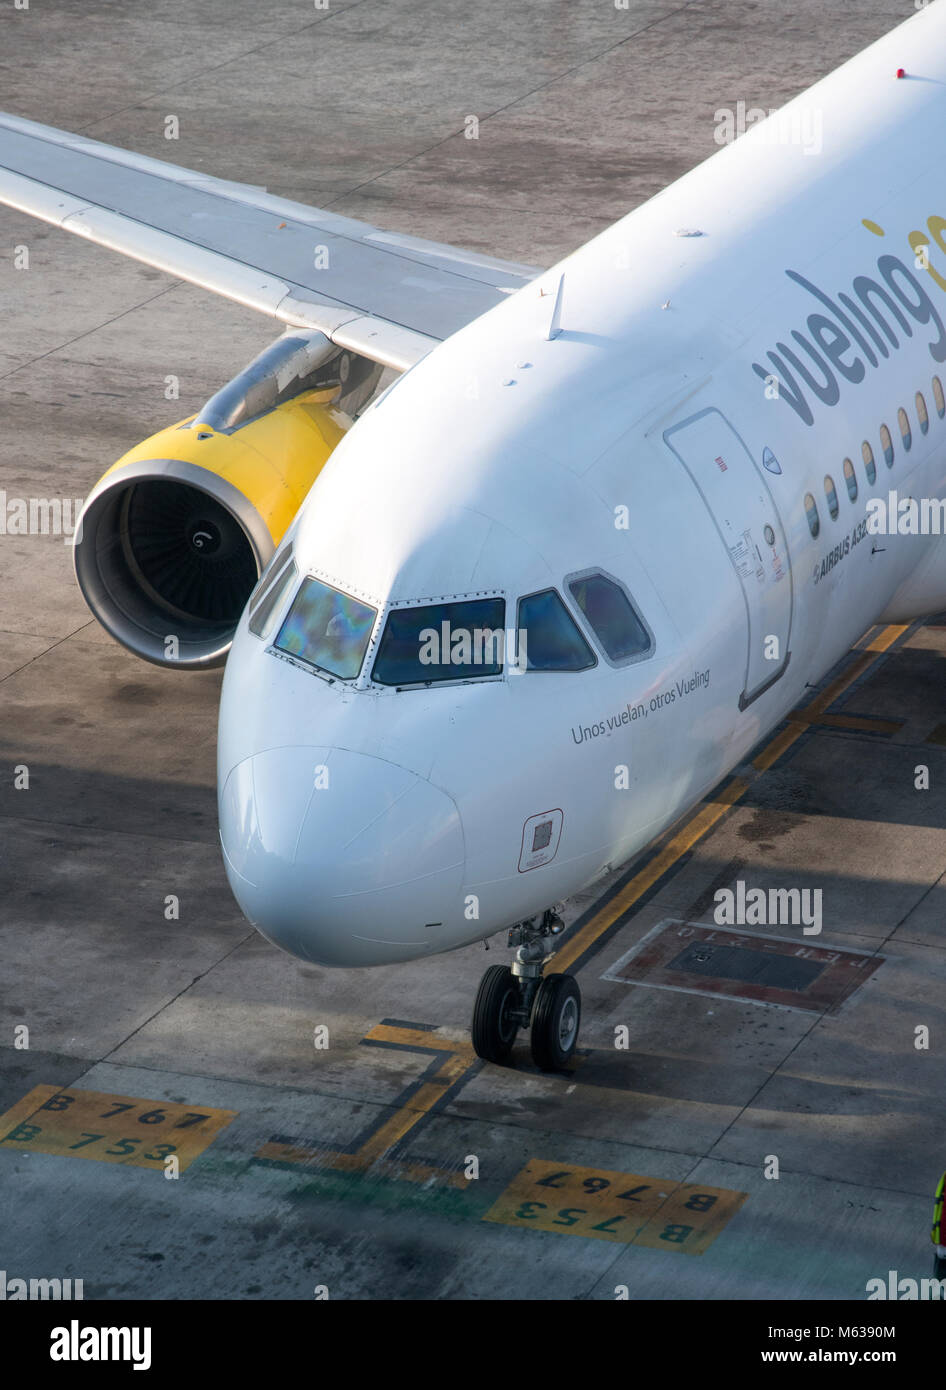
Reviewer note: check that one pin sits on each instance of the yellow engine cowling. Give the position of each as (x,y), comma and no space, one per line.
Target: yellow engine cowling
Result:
(174,536)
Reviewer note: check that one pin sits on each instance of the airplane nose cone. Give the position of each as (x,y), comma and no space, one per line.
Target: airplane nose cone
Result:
(339,857)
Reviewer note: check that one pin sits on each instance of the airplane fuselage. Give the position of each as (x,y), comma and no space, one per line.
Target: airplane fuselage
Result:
(723,352)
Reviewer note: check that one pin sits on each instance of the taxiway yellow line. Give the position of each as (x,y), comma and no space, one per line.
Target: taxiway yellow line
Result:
(854,722)
(417,1037)
(352,1163)
(458,1056)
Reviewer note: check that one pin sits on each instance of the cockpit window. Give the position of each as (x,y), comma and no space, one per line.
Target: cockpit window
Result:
(328,629)
(551,636)
(264,604)
(611,616)
(442,642)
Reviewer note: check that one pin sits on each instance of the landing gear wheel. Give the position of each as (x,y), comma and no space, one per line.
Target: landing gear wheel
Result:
(556,1019)
(494,1022)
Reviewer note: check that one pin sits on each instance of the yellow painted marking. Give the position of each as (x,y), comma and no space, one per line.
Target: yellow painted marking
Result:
(886,637)
(353,1163)
(774,750)
(849,721)
(458,1057)
(112,1129)
(828,696)
(713,811)
(627,1208)
(394,1129)
(418,1037)
(561,1197)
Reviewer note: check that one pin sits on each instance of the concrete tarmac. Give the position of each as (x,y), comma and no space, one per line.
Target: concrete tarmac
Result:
(366,1167)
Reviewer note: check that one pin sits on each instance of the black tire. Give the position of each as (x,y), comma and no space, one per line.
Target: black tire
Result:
(556,1019)
(494,1030)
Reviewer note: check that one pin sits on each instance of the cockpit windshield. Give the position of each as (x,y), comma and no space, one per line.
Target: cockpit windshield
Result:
(442,642)
(550,636)
(272,589)
(611,617)
(459,640)
(327,629)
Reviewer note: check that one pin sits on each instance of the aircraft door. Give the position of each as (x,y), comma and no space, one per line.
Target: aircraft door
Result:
(737,496)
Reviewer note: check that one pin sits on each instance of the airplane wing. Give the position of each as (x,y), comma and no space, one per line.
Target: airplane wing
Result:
(388,297)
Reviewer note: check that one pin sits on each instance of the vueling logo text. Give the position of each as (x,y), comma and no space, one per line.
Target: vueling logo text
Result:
(859,329)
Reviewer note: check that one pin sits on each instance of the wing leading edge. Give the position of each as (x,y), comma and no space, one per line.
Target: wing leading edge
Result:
(387,297)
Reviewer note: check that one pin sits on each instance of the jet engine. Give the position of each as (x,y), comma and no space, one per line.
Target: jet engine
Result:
(173,538)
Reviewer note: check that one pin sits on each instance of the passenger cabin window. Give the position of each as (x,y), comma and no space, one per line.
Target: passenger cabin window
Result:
(442,642)
(328,629)
(922,414)
(850,479)
(903,421)
(938,397)
(610,616)
(831,493)
(886,444)
(811,512)
(870,467)
(263,607)
(551,636)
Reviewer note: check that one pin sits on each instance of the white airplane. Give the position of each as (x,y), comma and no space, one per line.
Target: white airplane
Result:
(559,578)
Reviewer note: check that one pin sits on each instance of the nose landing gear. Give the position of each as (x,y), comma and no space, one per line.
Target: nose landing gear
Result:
(510,998)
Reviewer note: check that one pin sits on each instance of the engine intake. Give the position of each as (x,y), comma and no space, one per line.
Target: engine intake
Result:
(166,556)
(173,538)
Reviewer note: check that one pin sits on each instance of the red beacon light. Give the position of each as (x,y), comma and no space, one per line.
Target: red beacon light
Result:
(901,72)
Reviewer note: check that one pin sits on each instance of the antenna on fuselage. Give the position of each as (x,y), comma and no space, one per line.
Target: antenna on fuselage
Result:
(555,323)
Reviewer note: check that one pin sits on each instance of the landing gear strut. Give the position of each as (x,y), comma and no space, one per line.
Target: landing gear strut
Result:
(510,998)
